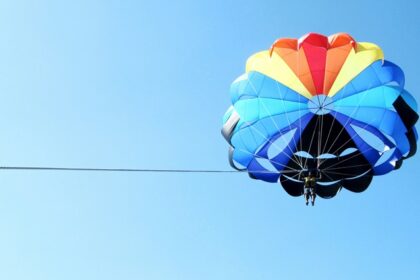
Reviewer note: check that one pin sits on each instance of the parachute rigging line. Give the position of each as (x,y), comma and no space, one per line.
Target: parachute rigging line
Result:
(50,168)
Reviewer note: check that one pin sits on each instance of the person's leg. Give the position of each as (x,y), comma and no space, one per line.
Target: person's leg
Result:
(313,196)
(306,194)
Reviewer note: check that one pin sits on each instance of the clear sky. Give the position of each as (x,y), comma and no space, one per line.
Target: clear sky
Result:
(144,84)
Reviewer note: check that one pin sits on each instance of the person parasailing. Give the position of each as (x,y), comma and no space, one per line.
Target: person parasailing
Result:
(310,178)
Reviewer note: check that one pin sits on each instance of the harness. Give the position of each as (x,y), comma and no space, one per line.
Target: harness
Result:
(310,181)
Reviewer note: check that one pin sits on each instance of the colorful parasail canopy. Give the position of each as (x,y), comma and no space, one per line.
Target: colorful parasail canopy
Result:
(328,103)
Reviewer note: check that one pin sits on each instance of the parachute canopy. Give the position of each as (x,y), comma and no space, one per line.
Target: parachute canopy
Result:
(329,103)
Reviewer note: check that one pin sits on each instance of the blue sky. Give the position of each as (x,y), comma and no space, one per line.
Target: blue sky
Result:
(144,85)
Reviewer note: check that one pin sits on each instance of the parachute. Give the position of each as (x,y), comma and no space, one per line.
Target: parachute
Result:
(329,103)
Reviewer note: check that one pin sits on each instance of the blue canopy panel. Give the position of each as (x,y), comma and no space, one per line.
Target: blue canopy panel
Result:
(254,133)
(267,167)
(409,99)
(251,110)
(251,137)
(381,97)
(374,75)
(254,84)
(264,148)
(376,107)
(387,122)
(376,142)
(391,98)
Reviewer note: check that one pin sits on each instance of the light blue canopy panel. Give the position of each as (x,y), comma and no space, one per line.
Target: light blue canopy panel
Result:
(256,85)
(376,74)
